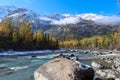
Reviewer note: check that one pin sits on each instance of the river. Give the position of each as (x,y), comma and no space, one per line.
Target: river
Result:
(22,68)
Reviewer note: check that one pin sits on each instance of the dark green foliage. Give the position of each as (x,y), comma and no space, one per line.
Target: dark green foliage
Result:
(21,37)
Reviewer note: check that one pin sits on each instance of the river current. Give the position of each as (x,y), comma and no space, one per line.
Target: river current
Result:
(23,68)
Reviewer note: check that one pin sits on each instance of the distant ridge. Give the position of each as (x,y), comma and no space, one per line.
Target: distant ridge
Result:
(61,25)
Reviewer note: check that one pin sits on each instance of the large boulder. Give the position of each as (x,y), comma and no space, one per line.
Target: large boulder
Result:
(64,69)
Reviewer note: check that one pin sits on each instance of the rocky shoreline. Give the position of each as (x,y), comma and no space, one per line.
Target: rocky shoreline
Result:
(110,71)
(106,64)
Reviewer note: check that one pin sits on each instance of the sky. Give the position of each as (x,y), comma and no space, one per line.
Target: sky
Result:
(107,7)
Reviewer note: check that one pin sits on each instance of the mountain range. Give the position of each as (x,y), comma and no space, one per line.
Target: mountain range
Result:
(64,25)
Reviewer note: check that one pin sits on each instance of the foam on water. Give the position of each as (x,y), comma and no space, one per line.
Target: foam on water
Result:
(5,53)
(18,68)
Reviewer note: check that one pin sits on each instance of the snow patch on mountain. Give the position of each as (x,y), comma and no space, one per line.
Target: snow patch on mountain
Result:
(89,16)
(98,19)
(66,15)
(56,19)
(4,10)
(18,14)
(14,15)
(68,20)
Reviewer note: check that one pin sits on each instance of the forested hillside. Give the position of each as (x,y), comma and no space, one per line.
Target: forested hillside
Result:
(108,41)
(21,37)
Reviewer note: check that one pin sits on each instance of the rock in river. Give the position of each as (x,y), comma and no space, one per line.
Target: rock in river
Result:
(97,65)
(64,69)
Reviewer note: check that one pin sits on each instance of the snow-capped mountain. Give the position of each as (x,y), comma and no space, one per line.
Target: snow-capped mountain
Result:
(56,19)
(90,16)
(63,19)
(98,19)
(87,24)
(4,10)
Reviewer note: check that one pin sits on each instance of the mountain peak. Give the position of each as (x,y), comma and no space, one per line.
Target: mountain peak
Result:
(56,19)
(89,16)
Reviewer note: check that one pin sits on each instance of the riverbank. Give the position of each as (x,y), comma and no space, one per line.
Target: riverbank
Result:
(106,63)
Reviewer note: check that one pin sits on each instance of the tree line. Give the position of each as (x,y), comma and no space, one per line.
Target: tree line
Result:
(108,41)
(19,36)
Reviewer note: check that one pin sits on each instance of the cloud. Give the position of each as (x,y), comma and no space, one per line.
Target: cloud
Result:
(109,20)
(45,19)
(74,19)
(99,19)
(68,20)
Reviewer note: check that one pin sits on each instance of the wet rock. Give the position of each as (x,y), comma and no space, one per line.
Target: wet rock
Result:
(110,79)
(95,53)
(97,78)
(117,79)
(59,55)
(101,73)
(109,74)
(74,58)
(64,69)
(67,56)
(33,56)
(97,65)
(72,55)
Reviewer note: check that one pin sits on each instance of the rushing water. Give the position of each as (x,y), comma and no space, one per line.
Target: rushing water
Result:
(23,68)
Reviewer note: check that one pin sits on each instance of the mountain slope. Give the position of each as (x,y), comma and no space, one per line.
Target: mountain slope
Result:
(64,25)
(80,30)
